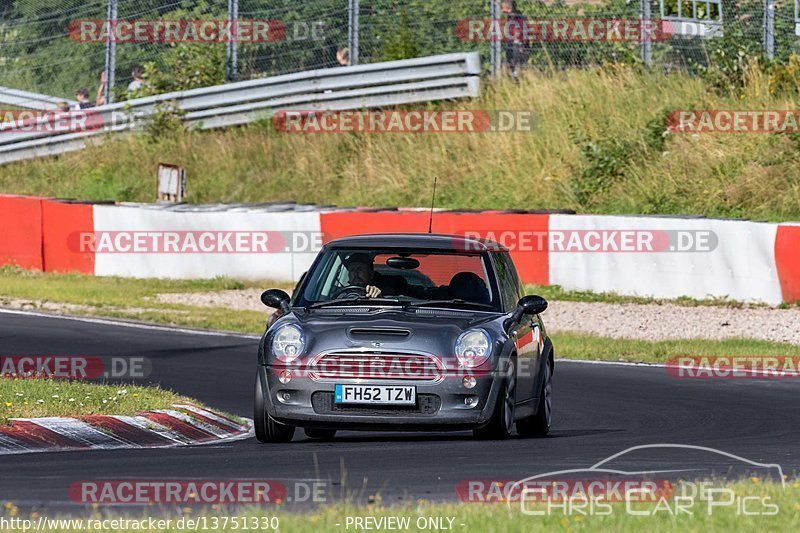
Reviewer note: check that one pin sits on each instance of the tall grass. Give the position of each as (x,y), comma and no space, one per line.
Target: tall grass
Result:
(599,146)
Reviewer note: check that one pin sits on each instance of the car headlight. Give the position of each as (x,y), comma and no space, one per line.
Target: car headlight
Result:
(473,348)
(288,343)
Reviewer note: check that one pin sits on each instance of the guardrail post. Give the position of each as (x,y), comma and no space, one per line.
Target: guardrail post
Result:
(233,51)
(111,51)
(352,30)
(495,52)
(769,28)
(647,44)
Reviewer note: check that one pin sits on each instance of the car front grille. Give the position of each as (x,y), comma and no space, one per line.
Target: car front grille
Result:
(380,366)
(427,405)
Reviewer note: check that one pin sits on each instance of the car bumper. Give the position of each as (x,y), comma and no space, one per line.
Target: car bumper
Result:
(441,406)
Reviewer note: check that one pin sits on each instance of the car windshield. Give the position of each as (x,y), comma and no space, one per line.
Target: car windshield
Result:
(400,277)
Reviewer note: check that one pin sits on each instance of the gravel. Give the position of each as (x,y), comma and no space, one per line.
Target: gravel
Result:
(652,322)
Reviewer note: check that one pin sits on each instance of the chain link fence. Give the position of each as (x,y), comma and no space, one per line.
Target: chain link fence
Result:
(45,46)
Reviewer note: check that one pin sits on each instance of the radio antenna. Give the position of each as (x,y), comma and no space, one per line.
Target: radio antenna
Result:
(433,203)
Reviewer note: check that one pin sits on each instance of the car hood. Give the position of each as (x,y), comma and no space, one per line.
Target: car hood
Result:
(432,331)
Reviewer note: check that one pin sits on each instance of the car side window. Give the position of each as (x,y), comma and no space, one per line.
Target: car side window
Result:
(514,277)
(507,278)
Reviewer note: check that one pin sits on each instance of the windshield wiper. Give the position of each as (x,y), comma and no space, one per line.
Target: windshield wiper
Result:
(360,300)
(455,301)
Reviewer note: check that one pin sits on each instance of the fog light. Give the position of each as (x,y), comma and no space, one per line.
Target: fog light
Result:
(286,396)
(469,382)
(469,400)
(285,376)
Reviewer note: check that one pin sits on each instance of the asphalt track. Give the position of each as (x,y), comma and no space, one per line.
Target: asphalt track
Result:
(600,410)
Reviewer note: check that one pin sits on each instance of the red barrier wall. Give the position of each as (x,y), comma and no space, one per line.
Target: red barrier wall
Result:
(62,224)
(21,231)
(787,259)
(532,263)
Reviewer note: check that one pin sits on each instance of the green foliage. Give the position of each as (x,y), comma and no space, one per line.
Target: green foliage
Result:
(184,67)
(731,60)
(785,79)
(403,43)
(604,161)
(165,122)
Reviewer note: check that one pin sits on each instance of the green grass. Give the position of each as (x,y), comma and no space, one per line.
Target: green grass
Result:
(33,398)
(558,293)
(499,518)
(599,146)
(596,348)
(130,298)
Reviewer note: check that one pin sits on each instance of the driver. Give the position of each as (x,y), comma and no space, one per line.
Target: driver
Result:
(361,273)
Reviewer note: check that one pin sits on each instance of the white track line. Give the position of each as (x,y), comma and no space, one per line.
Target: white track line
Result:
(612,363)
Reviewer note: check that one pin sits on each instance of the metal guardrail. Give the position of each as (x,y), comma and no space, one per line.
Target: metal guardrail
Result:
(29,100)
(359,87)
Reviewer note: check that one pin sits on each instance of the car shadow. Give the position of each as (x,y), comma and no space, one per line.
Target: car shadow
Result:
(373,437)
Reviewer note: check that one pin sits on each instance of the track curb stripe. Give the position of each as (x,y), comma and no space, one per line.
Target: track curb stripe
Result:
(78,431)
(186,429)
(152,429)
(209,417)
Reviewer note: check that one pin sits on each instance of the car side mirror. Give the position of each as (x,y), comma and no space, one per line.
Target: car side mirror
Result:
(275,298)
(527,305)
(532,305)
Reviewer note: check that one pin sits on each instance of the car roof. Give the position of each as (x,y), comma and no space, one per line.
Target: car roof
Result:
(424,241)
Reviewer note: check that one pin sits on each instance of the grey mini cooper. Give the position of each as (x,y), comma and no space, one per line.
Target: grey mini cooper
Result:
(411,332)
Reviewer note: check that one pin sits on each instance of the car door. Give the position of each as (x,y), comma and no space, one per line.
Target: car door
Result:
(528,336)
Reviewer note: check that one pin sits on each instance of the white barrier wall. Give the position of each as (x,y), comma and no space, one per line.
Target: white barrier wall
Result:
(741,267)
(286,265)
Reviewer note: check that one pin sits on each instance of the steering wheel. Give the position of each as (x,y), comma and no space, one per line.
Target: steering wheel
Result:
(352,291)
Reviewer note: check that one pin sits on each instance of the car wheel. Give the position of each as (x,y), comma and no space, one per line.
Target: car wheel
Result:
(502,422)
(322,434)
(539,424)
(267,429)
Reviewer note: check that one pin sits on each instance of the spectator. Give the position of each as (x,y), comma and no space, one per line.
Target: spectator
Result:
(343,56)
(62,106)
(137,73)
(516,47)
(82,95)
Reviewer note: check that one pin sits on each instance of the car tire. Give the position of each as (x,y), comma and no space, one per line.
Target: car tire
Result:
(266,428)
(321,434)
(538,425)
(501,424)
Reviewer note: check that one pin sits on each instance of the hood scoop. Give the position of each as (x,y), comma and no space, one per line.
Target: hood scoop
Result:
(378,334)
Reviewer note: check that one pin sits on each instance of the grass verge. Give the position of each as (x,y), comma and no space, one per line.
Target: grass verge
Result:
(127,298)
(556,292)
(491,518)
(596,348)
(34,398)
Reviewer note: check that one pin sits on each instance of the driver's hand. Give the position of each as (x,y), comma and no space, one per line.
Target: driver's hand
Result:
(372,291)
